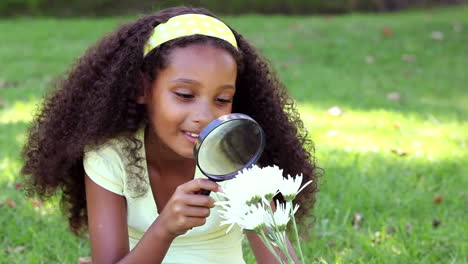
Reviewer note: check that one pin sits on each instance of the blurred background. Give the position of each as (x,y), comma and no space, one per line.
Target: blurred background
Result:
(380,84)
(125,7)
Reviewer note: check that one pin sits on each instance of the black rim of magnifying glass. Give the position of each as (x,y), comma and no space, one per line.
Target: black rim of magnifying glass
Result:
(216,123)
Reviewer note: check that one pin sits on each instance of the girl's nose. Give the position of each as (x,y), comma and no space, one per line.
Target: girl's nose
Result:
(203,114)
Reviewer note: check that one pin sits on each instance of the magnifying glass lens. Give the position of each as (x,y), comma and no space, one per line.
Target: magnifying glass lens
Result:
(229,147)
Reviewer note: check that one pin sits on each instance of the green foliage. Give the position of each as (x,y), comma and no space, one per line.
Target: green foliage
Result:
(11,7)
(109,7)
(396,154)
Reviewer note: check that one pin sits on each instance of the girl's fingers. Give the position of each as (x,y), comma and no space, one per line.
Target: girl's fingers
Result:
(186,209)
(196,221)
(199,184)
(199,200)
(196,211)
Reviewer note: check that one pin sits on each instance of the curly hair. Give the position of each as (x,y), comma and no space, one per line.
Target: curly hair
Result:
(97,101)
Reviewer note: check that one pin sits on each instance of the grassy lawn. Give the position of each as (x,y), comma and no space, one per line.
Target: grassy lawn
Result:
(394,147)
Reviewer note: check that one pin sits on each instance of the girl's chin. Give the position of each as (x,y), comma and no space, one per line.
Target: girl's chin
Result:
(187,154)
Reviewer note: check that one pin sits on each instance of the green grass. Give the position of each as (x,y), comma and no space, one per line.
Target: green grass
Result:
(344,61)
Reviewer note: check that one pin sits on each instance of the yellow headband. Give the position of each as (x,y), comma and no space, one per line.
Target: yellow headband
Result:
(187,25)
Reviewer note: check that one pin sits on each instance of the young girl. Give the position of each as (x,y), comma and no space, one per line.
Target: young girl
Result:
(116,139)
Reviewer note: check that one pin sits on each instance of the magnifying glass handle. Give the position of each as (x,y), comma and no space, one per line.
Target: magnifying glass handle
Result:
(205,192)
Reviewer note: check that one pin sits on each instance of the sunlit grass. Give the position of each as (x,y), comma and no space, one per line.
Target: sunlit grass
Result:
(18,112)
(383,131)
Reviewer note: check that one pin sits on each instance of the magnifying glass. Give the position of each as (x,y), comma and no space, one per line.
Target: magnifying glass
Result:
(228,145)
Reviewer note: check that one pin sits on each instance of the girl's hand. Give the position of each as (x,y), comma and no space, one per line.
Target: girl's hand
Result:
(187,208)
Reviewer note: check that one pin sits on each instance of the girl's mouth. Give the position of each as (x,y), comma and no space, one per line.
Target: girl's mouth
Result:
(192,137)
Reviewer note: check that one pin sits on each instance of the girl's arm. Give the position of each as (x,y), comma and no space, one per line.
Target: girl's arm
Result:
(107,222)
(263,254)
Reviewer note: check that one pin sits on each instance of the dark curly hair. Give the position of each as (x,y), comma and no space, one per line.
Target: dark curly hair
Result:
(97,102)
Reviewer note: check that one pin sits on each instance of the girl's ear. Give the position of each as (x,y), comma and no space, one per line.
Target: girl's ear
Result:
(141,99)
(143,93)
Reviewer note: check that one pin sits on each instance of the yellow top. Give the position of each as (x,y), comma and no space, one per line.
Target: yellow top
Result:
(209,243)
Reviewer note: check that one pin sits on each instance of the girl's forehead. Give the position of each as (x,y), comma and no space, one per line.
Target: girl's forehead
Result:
(204,64)
(202,55)
(197,50)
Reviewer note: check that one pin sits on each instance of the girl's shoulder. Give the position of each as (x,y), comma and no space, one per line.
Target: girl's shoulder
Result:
(109,151)
(106,164)
(117,147)
(109,163)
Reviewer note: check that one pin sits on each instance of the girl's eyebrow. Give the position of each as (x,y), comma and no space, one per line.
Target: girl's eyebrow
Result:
(196,83)
(184,80)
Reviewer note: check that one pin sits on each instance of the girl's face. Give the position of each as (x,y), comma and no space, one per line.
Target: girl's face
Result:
(197,86)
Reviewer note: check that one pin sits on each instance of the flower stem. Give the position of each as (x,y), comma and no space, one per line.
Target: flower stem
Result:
(270,247)
(279,237)
(296,234)
(285,249)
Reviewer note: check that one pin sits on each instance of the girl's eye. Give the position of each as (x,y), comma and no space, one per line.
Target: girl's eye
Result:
(224,101)
(184,96)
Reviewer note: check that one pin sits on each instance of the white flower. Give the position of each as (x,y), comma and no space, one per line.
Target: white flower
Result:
(232,213)
(247,217)
(282,213)
(251,185)
(289,187)
(248,205)
(253,220)
(281,216)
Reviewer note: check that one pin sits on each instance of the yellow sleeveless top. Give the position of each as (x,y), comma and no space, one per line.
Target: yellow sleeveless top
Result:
(210,243)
